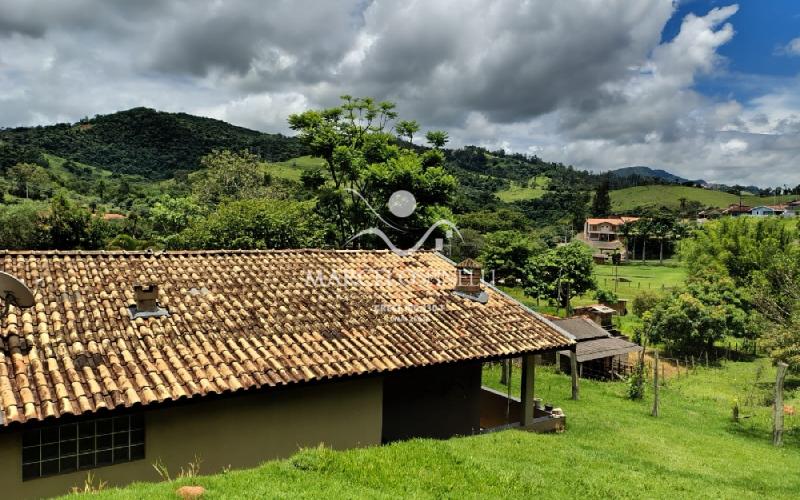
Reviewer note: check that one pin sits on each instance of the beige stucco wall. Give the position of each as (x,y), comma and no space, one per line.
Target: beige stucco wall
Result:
(238,431)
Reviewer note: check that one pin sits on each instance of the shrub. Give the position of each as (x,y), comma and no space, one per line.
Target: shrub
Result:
(645,301)
(605,296)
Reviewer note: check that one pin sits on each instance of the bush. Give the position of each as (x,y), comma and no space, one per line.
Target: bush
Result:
(636,382)
(605,296)
(644,302)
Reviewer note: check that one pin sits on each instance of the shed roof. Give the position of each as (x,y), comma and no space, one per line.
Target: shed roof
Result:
(604,348)
(238,320)
(582,328)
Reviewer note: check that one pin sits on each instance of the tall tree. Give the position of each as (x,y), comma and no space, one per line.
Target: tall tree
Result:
(644,229)
(366,166)
(229,176)
(561,274)
(437,138)
(30,180)
(506,253)
(601,204)
(407,128)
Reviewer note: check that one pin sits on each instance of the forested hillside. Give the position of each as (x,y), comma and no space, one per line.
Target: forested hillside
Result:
(143,141)
(138,161)
(160,173)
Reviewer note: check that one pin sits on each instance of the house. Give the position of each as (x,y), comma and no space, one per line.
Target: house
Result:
(236,357)
(599,353)
(605,229)
(774,210)
(737,209)
(603,234)
(709,213)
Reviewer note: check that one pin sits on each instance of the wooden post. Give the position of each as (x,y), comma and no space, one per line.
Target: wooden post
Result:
(655,386)
(505,371)
(777,425)
(573,363)
(527,388)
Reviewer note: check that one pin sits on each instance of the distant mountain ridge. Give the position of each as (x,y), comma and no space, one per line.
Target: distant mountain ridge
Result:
(653,173)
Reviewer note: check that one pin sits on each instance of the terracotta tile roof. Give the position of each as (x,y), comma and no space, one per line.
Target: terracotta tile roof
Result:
(237,320)
(614,221)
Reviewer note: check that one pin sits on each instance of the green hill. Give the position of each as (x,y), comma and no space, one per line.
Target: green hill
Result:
(533,189)
(629,199)
(612,448)
(150,143)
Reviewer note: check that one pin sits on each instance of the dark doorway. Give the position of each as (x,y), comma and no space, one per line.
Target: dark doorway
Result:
(437,402)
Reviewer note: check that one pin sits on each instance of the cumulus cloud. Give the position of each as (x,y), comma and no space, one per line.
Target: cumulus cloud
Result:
(792,48)
(583,82)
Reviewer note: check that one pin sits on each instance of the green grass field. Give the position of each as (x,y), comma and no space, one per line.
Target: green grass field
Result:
(635,277)
(624,200)
(612,448)
(292,169)
(535,188)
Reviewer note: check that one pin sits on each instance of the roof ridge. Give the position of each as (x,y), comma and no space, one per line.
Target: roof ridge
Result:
(200,251)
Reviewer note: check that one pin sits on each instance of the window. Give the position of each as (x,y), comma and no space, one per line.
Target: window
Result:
(61,448)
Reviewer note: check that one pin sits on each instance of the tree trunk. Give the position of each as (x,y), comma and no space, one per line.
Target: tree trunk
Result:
(644,250)
(661,251)
(504,371)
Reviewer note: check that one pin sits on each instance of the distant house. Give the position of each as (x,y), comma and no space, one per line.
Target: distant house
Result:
(764,211)
(710,213)
(599,353)
(128,358)
(736,210)
(604,234)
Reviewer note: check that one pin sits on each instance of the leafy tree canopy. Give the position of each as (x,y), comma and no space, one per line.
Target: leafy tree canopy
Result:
(561,273)
(366,165)
(506,253)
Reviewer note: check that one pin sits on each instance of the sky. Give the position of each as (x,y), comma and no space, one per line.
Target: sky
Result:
(705,89)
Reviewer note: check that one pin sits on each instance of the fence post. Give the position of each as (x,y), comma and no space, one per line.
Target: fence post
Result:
(573,363)
(655,386)
(777,418)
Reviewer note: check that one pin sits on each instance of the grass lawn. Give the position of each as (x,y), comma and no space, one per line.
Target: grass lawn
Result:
(635,277)
(623,200)
(535,188)
(651,276)
(612,448)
